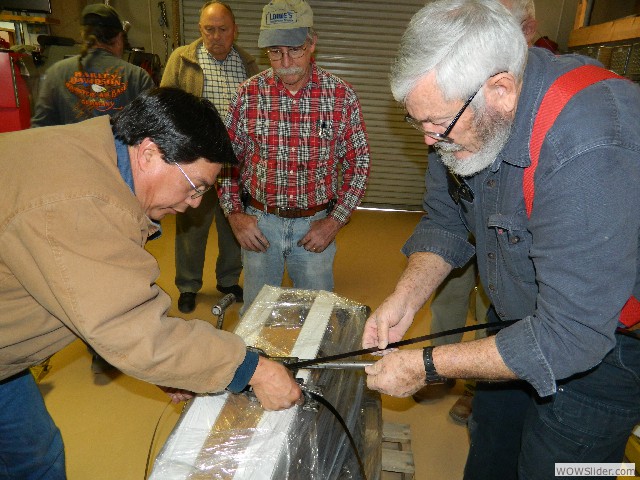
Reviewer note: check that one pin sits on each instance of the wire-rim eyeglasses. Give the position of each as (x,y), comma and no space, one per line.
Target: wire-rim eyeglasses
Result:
(276,53)
(199,191)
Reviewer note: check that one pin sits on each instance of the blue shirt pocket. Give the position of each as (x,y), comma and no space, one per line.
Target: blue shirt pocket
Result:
(514,243)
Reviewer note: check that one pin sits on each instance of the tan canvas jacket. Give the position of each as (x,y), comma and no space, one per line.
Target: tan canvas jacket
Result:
(183,71)
(73,264)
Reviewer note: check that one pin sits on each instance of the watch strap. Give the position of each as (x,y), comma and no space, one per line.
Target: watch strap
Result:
(431,374)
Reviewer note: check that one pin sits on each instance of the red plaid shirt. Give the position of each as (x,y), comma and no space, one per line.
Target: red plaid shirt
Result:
(292,148)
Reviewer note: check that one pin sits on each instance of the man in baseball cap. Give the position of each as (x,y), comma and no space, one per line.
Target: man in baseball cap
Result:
(96,82)
(310,127)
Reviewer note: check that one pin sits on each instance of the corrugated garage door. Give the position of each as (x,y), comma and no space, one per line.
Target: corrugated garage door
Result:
(357,40)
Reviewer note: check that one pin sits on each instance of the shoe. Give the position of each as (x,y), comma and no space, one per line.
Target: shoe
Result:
(187,302)
(100,365)
(235,289)
(461,410)
(429,393)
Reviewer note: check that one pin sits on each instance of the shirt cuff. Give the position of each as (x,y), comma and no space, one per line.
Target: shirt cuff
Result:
(244,373)
(519,349)
(456,251)
(341,214)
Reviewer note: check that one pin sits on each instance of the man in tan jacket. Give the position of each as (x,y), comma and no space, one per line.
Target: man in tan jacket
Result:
(211,67)
(74,219)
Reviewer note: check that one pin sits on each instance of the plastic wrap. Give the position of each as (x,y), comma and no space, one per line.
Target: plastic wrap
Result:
(227,436)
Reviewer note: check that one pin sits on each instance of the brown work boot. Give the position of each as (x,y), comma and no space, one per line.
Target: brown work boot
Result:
(461,410)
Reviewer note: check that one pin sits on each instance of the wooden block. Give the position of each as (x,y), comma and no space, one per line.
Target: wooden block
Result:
(396,432)
(398,461)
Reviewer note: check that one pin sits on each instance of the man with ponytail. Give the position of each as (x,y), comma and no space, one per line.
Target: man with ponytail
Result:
(96,82)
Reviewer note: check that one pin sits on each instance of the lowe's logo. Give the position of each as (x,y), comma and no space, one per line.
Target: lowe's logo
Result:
(280,18)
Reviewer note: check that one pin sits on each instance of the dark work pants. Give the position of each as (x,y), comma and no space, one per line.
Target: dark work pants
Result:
(192,232)
(517,435)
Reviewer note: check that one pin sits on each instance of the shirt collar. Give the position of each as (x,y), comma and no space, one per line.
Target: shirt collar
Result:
(124,164)
(206,52)
(516,152)
(124,167)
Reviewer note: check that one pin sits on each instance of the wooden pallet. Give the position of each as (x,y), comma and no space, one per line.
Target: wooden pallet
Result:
(397,456)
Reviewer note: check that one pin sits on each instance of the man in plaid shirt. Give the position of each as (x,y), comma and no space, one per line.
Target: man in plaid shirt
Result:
(300,139)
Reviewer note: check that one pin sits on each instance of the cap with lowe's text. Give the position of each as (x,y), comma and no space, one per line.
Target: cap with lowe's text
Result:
(99,15)
(285,23)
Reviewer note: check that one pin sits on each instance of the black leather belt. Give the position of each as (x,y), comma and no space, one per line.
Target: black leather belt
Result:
(288,212)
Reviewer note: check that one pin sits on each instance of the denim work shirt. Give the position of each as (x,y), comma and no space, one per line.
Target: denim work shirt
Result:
(568,270)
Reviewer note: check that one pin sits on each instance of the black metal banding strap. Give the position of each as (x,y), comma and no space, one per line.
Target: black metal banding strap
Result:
(316,361)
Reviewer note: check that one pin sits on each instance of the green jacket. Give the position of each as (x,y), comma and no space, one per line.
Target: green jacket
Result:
(183,70)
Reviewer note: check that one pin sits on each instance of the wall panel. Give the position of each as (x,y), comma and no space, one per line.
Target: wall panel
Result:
(356,41)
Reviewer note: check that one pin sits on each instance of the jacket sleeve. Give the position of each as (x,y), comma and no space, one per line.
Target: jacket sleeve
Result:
(585,253)
(85,264)
(45,112)
(229,180)
(171,74)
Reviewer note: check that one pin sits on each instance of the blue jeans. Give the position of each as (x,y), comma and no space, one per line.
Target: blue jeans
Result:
(30,443)
(308,270)
(518,435)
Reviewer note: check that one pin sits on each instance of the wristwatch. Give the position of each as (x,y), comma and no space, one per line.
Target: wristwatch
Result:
(431,375)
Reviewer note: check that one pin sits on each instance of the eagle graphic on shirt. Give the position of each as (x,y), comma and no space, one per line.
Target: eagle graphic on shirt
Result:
(98,93)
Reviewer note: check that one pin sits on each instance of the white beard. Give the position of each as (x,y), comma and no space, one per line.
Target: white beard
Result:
(492,129)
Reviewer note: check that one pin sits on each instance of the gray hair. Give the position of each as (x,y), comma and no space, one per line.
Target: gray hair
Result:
(523,10)
(311,34)
(464,42)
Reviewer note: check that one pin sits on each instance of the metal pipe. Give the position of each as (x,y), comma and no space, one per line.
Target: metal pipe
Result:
(341,365)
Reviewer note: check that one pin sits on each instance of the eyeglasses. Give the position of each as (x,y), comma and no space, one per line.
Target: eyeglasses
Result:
(441,137)
(444,137)
(293,52)
(199,191)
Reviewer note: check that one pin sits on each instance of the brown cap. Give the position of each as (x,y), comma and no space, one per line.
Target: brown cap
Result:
(101,15)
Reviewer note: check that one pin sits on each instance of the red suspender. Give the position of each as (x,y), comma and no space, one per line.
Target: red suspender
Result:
(630,314)
(558,95)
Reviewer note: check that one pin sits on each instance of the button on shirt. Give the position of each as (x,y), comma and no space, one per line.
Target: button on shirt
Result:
(292,147)
(567,270)
(221,77)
